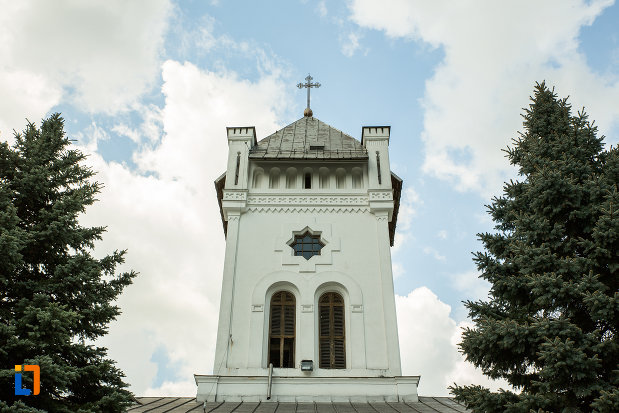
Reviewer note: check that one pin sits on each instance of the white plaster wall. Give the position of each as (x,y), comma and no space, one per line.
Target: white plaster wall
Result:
(349,264)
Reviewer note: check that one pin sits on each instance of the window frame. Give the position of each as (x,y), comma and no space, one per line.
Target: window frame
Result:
(313,250)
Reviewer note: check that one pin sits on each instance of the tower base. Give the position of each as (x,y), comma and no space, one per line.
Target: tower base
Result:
(307,389)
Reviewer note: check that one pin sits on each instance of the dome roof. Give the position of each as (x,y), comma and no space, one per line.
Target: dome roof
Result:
(308,138)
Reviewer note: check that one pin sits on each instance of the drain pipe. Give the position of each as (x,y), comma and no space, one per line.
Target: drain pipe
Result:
(270,381)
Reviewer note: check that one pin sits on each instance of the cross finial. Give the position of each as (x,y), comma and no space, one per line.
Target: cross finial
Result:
(308,84)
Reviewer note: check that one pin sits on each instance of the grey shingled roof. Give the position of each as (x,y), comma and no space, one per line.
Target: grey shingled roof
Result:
(189,404)
(304,138)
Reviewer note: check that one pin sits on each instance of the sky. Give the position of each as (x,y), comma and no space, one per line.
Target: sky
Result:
(147,89)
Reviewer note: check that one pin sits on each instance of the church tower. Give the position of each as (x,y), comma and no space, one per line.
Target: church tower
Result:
(309,214)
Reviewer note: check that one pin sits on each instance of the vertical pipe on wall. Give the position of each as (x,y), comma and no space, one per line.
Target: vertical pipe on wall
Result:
(270,381)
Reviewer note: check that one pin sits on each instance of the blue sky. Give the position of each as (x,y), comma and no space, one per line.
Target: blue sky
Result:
(147,89)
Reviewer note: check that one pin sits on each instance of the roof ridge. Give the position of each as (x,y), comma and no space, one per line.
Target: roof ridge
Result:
(305,134)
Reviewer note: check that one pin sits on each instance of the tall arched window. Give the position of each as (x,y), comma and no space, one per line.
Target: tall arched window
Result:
(282,330)
(332,340)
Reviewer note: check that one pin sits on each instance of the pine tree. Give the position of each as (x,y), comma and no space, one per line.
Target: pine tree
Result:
(55,297)
(550,324)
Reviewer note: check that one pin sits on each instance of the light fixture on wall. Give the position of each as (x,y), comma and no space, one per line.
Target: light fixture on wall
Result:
(307,365)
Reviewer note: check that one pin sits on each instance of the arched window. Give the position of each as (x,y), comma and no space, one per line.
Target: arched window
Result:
(282,330)
(332,340)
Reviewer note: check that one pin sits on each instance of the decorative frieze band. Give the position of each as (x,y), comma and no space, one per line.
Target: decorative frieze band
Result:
(309,210)
(381,196)
(235,195)
(331,200)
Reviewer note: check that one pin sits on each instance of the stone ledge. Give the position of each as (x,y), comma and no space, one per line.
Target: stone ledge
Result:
(307,389)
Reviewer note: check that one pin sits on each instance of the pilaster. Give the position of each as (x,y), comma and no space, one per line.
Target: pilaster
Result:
(224,336)
(388,296)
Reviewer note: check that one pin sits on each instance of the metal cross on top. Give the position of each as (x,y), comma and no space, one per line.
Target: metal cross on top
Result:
(308,84)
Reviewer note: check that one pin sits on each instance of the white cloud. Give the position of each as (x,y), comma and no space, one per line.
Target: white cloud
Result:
(398,270)
(428,345)
(185,388)
(350,44)
(434,253)
(199,105)
(469,283)
(124,130)
(24,95)
(470,287)
(321,7)
(102,55)
(494,52)
(442,234)
(88,139)
(166,214)
(409,201)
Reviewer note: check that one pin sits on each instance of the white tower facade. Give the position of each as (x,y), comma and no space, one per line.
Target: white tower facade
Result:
(309,215)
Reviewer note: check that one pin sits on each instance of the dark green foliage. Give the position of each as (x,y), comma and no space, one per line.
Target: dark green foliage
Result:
(550,324)
(55,297)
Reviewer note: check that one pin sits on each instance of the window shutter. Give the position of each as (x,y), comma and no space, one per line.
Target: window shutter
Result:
(332,342)
(288,321)
(338,321)
(282,329)
(339,354)
(324,327)
(276,320)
